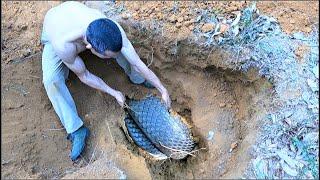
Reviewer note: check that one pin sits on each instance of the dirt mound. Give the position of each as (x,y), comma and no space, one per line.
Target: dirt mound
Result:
(186,17)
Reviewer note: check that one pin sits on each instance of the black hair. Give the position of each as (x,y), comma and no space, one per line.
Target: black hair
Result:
(103,34)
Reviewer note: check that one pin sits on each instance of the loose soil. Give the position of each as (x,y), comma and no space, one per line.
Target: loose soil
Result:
(224,107)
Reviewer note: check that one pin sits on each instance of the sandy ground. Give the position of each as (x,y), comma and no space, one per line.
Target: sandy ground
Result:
(34,144)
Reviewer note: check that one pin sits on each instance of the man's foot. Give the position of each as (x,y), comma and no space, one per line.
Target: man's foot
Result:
(147,84)
(78,139)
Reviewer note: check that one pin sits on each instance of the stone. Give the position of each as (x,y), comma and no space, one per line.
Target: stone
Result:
(224,28)
(233,146)
(180,19)
(307,29)
(222,105)
(178,25)
(172,18)
(187,23)
(207,27)
(24,27)
(191,28)
(136,7)
(125,16)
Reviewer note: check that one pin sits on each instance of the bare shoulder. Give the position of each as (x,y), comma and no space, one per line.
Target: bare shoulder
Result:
(125,40)
(67,6)
(65,50)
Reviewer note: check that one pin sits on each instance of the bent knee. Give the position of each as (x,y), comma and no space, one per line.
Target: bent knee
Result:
(50,82)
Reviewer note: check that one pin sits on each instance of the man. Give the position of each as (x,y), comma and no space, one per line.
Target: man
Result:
(69,29)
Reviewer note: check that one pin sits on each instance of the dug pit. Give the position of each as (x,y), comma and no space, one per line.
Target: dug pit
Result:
(223,107)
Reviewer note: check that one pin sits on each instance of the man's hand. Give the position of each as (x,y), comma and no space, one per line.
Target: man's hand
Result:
(120,98)
(133,58)
(166,98)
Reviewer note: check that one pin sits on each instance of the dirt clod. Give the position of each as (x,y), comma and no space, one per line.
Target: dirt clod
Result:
(172,18)
(125,16)
(301,51)
(207,27)
(233,146)
(224,28)
(180,19)
(222,105)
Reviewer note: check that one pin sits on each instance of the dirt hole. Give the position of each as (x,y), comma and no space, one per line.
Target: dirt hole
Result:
(216,102)
(223,106)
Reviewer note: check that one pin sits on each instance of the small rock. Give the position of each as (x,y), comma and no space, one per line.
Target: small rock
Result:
(222,105)
(24,27)
(15,106)
(86,116)
(143,9)
(191,28)
(224,28)
(172,18)
(201,171)
(187,23)
(178,25)
(196,139)
(189,175)
(135,17)
(214,94)
(307,29)
(149,11)
(186,18)
(136,7)
(47,106)
(180,19)
(233,146)
(27,52)
(207,27)
(210,135)
(125,16)
(198,18)
(229,106)
(192,20)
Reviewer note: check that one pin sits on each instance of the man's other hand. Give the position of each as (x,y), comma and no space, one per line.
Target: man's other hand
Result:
(166,98)
(120,98)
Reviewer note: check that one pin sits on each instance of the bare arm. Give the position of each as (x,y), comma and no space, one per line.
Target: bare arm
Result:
(133,58)
(67,52)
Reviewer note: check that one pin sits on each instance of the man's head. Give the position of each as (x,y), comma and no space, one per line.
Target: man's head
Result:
(104,38)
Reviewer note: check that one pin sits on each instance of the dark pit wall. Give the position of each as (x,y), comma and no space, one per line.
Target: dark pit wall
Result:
(222,106)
